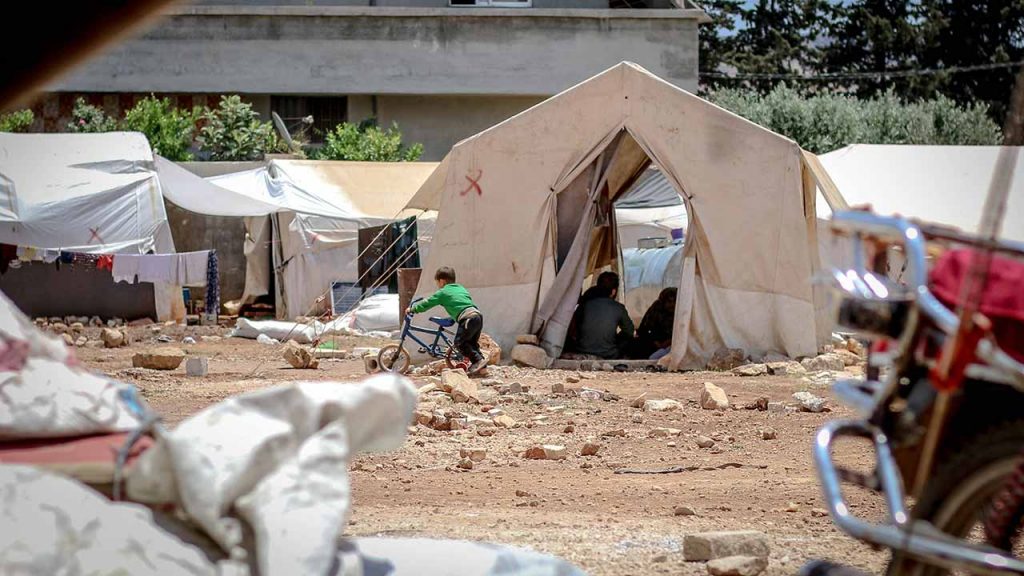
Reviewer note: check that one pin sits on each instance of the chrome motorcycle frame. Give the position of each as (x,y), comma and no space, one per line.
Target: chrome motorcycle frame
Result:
(900,532)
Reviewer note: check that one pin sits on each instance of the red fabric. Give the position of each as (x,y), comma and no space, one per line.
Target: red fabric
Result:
(99,449)
(1002,300)
(105,262)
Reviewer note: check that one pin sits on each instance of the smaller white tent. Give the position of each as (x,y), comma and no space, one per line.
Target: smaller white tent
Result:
(309,213)
(91,193)
(938,184)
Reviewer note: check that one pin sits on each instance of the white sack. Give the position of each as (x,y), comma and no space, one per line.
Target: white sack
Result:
(279,458)
(43,392)
(425,557)
(276,329)
(378,313)
(63,527)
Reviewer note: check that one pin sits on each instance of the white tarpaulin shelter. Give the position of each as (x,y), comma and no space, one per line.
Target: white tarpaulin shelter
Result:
(310,213)
(939,184)
(524,215)
(93,193)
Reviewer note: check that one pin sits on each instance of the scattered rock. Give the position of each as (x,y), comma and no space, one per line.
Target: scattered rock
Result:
(81,340)
(663,432)
(787,368)
(666,405)
(58,328)
(590,449)
(819,512)
(639,401)
(849,358)
(515,388)
(77,327)
(485,432)
(141,322)
(792,507)
(298,356)
(462,387)
(572,379)
(704,442)
(809,402)
(768,434)
(159,359)
(197,367)
(530,339)
(726,359)
(776,407)
(568,429)
(829,361)
(546,452)
(210,338)
(619,433)
(428,388)
(68,340)
(737,566)
(637,418)
(751,370)
(474,454)
(532,356)
(112,338)
(761,404)
(490,349)
(707,546)
(854,345)
(558,388)
(505,421)
(486,396)
(684,511)
(466,464)
(713,398)
(188,340)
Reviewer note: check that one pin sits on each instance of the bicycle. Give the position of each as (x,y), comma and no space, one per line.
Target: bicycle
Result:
(395,358)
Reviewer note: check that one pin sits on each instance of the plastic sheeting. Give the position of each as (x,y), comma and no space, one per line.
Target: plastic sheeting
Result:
(647,272)
(423,557)
(378,313)
(276,329)
(44,393)
(277,458)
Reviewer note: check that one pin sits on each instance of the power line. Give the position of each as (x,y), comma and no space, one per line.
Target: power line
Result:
(862,75)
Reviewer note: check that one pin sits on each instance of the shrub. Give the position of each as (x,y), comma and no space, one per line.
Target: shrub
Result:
(233,131)
(17,121)
(169,130)
(89,118)
(366,142)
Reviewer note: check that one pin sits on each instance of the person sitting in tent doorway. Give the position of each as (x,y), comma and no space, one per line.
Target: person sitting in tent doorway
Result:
(605,281)
(602,325)
(654,337)
(456,301)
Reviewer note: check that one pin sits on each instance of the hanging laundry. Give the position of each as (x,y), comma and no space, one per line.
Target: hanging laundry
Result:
(212,285)
(193,268)
(8,252)
(27,254)
(50,256)
(125,268)
(105,262)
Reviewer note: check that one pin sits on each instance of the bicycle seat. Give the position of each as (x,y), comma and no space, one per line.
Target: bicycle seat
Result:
(442,322)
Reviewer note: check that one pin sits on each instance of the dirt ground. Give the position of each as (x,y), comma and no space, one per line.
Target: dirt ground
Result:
(608,524)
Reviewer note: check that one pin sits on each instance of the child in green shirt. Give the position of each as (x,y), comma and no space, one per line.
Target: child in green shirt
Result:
(455,300)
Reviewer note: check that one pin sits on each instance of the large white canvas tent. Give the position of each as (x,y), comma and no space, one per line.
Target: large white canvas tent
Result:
(938,184)
(524,215)
(91,193)
(309,213)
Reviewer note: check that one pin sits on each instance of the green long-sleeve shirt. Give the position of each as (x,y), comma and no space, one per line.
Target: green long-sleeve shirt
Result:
(453,298)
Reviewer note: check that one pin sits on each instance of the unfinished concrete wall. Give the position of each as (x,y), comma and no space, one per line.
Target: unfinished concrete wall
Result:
(439,122)
(391,50)
(226,235)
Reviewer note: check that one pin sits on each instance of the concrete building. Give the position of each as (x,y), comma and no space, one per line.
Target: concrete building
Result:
(441,69)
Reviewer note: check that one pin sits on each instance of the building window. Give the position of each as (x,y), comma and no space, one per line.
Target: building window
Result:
(326,112)
(493,3)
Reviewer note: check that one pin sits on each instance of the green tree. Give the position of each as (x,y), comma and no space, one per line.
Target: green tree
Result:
(367,142)
(88,118)
(233,132)
(871,36)
(824,122)
(779,37)
(718,37)
(17,121)
(169,130)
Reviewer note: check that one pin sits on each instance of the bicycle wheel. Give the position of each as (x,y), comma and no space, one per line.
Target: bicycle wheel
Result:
(394,358)
(452,357)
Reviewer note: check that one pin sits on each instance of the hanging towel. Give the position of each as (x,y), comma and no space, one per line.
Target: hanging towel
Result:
(193,268)
(50,256)
(105,262)
(125,268)
(27,253)
(159,268)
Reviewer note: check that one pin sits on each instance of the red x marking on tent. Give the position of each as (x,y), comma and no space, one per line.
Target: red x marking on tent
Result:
(474,183)
(95,233)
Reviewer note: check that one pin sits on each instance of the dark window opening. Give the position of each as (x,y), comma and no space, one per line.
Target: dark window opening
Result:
(326,112)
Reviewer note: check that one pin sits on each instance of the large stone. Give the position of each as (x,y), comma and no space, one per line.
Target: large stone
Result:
(546,452)
(474,454)
(849,358)
(727,359)
(298,356)
(532,356)
(707,546)
(505,421)
(666,405)
(713,398)
(830,361)
(69,341)
(704,442)
(530,339)
(590,449)
(809,402)
(737,566)
(787,368)
(751,370)
(159,359)
(490,349)
(462,387)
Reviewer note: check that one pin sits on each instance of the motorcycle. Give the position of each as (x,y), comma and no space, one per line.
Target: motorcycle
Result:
(946,422)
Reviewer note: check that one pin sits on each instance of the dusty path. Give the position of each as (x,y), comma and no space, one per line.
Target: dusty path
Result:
(578,508)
